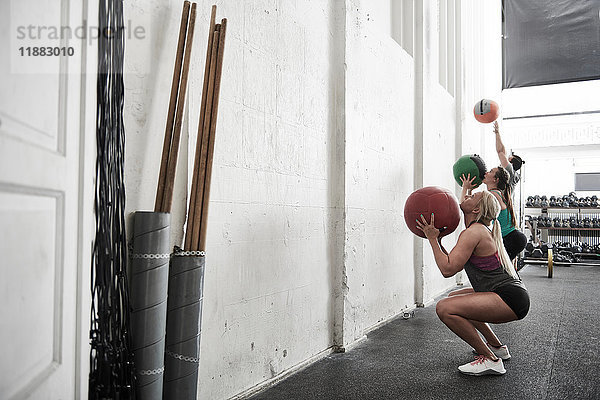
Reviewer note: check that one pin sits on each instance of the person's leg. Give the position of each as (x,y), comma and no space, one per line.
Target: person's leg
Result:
(487,333)
(459,312)
(482,327)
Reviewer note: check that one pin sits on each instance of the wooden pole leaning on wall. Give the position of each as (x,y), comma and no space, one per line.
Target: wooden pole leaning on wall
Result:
(213,126)
(172,105)
(172,164)
(192,207)
(206,130)
(201,171)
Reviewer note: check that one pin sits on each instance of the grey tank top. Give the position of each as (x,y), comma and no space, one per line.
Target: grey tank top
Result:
(486,274)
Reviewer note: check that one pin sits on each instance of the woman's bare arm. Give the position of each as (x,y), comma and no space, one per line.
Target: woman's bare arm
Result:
(453,262)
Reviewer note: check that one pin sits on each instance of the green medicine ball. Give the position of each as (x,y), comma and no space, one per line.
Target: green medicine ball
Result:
(469,164)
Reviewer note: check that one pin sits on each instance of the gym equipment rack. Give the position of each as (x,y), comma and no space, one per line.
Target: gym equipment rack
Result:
(566,225)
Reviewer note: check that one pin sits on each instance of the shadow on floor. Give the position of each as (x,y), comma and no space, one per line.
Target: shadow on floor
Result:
(555,352)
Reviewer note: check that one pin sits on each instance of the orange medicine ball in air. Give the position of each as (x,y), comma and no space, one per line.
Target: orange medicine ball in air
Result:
(486,111)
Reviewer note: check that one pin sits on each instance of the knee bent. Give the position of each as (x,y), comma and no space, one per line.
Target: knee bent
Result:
(442,309)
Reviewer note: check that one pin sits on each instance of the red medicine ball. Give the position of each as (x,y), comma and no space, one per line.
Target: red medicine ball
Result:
(432,199)
(486,111)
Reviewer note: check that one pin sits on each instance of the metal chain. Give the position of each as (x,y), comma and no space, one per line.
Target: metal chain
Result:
(182,357)
(179,252)
(184,253)
(152,371)
(149,256)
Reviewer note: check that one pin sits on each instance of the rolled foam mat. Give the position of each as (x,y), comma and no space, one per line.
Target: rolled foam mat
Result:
(184,322)
(148,281)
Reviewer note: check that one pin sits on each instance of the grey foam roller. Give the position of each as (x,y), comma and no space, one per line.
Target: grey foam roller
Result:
(148,281)
(184,320)
(143,322)
(184,323)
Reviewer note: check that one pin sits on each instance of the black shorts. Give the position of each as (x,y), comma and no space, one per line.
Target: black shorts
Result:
(514,243)
(516,297)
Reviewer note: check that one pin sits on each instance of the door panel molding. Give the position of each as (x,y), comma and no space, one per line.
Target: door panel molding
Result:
(21,128)
(32,378)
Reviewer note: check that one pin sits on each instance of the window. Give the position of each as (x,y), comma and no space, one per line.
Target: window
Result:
(447,44)
(402,16)
(588,181)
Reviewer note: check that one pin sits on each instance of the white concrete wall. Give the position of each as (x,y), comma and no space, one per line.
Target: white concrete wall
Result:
(379,174)
(482,73)
(148,74)
(271,253)
(438,139)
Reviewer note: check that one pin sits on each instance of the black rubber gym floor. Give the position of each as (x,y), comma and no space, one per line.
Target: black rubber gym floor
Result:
(555,352)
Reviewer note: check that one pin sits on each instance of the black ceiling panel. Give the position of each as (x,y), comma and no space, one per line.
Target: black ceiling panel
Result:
(550,41)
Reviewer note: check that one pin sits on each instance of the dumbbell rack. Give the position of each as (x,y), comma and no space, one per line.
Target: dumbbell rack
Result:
(590,236)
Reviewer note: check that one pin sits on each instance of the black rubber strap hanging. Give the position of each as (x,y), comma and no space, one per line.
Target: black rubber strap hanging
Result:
(111,366)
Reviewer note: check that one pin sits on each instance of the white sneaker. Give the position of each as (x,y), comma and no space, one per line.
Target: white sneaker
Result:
(483,366)
(500,352)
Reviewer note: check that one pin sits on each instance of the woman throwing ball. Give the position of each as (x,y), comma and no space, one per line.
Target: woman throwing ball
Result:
(496,181)
(497,294)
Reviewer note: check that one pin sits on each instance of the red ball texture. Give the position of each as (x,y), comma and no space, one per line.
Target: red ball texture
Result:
(432,199)
(486,111)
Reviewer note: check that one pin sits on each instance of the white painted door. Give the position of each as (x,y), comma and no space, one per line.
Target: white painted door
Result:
(42,240)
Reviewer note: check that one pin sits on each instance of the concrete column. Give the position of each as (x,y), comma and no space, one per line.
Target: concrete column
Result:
(459,97)
(337,172)
(418,57)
